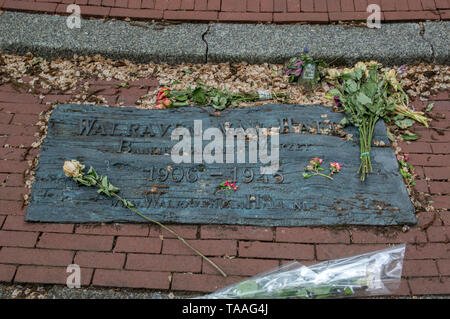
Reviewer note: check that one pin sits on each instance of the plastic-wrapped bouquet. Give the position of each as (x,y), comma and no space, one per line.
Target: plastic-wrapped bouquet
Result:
(370,274)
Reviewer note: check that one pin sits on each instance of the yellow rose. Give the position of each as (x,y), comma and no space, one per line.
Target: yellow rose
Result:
(73,169)
(333,73)
(347,70)
(360,65)
(372,63)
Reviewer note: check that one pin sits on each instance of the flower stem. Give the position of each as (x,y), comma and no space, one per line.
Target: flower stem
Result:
(174,233)
(327,176)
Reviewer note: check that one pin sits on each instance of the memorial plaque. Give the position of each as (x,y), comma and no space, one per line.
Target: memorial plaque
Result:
(134,148)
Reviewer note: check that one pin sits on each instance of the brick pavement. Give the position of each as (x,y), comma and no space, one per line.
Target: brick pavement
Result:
(278,11)
(141,256)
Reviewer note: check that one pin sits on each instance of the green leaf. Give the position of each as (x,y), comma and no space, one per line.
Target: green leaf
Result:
(344,122)
(410,137)
(306,175)
(429,107)
(404,123)
(363,99)
(334,92)
(199,96)
(104,180)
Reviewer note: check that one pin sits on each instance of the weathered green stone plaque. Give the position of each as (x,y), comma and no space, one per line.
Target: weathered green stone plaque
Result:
(133,148)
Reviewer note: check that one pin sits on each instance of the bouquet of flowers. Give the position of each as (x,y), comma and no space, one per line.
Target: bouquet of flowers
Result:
(370,274)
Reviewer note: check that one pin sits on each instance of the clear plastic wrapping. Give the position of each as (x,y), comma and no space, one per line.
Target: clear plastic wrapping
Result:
(369,274)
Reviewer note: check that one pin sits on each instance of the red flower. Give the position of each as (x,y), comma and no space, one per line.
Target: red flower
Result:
(166,102)
(335,167)
(318,160)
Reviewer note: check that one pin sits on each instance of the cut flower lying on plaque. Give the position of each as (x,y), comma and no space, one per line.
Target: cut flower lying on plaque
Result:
(227,186)
(314,168)
(202,95)
(75,169)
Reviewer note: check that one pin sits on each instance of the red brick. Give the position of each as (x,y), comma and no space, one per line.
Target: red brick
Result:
(100,260)
(11,208)
(415,147)
(148,4)
(279,5)
(347,5)
(136,13)
(75,242)
(29,6)
(13,167)
(206,247)
(11,154)
(12,193)
(266,5)
(27,256)
(428,4)
(91,2)
(17,239)
(361,5)
(253,5)
(298,17)
(294,5)
(348,16)
(25,119)
(419,268)
(18,223)
(234,5)
(440,187)
(421,186)
(19,141)
(134,4)
(114,229)
(240,266)
(236,232)
(445,14)
(441,201)
(15,130)
(276,250)
(7,273)
(49,275)
(384,236)
(429,251)
(440,148)
(164,263)
(131,279)
(2,219)
(414,5)
(445,217)
(411,15)
(430,286)
(334,251)
(22,107)
(201,5)
(191,15)
(444,267)
(138,245)
(245,16)
(185,231)
(333,5)
(121,3)
(437,173)
(187,4)
(214,5)
(402,290)
(312,235)
(439,234)
(201,282)
(320,6)
(429,160)
(387,5)
(110,3)
(5,118)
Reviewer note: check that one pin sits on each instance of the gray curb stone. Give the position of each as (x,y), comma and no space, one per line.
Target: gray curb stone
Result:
(49,36)
(438,35)
(391,44)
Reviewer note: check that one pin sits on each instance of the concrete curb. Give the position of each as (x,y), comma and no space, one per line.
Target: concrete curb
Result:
(393,44)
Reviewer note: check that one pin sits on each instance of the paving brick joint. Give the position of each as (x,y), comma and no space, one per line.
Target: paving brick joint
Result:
(143,256)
